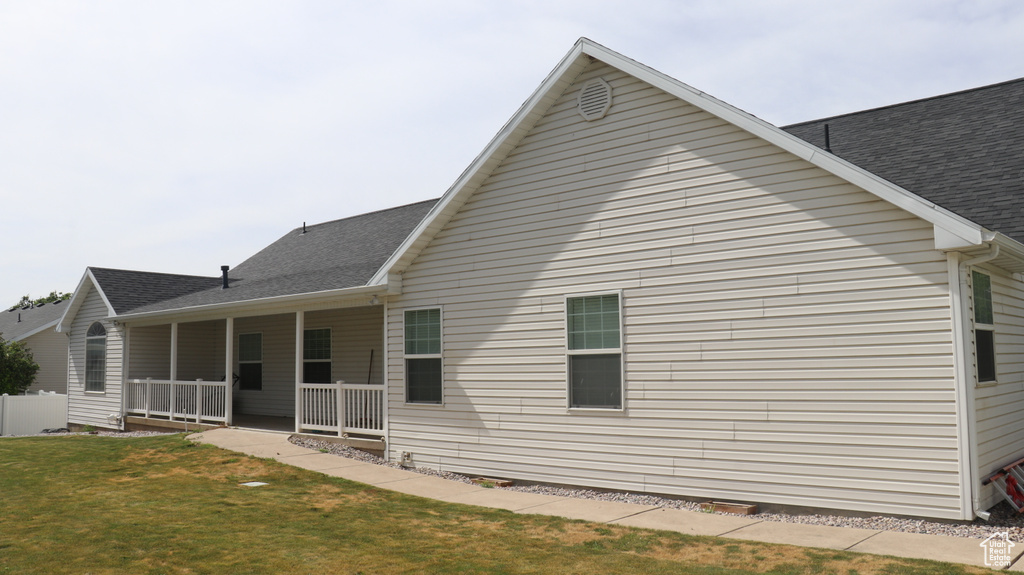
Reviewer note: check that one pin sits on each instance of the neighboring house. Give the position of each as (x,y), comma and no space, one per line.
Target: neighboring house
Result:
(635,286)
(34,326)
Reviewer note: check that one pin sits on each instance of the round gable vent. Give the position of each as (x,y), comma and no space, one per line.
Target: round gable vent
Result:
(594,100)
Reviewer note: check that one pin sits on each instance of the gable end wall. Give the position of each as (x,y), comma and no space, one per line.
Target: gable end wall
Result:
(92,408)
(787,336)
(50,350)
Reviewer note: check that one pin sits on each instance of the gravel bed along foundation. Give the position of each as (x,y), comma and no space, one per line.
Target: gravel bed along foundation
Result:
(1003,517)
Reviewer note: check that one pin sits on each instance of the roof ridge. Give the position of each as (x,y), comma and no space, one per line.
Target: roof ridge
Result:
(352,217)
(906,103)
(151,273)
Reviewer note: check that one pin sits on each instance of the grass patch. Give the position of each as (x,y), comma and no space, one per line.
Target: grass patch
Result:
(163,505)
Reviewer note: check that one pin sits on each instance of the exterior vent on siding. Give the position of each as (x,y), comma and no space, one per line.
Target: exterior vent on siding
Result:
(594,100)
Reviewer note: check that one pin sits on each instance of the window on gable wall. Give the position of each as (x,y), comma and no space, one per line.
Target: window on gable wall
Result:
(96,358)
(316,356)
(594,349)
(984,327)
(423,364)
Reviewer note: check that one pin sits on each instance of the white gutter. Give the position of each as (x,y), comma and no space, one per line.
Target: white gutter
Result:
(967,440)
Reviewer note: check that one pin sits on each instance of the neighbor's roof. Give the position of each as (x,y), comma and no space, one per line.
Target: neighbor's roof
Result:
(963,151)
(23,321)
(329,256)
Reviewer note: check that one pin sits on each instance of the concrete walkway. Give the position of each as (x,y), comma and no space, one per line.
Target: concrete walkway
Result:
(912,545)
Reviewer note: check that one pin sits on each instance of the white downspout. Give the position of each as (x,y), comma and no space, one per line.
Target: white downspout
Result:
(385,383)
(300,328)
(229,371)
(970,487)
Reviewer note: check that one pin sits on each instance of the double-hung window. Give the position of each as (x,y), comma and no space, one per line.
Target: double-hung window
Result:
(984,327)
(594,351)
(96,358)
(250,361)
(316,356)
(423,365)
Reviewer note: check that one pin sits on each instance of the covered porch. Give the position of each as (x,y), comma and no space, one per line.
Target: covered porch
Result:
(319,371)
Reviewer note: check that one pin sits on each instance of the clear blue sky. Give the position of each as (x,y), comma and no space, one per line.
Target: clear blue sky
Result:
(179,136)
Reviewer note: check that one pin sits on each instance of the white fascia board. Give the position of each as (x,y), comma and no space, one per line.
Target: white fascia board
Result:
(78,297)
(36,330)
(275,301)
(493,153)
(954,225)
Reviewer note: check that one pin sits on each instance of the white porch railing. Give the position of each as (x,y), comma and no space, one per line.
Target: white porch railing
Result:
(196,400)
(361,406)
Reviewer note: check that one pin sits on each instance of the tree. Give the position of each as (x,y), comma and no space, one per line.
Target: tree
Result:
(17,367)
(54,296)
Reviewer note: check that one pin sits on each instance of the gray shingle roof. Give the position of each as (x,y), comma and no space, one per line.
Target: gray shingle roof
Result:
(16,322)
(963,151)
(333,255)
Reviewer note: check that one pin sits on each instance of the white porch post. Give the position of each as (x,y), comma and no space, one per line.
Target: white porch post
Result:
(199,402)
(229,372)
(385,383)
(126,354)
(174,366)
(300,325)
(340,406)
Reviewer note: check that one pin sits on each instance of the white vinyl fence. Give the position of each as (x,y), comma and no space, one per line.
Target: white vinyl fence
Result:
(30,414)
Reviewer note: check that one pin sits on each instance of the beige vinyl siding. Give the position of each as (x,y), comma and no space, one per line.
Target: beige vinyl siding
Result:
(93,408)
(49,350)
(278,394)
(150,352)
(787,336)
(1000,406)
(201,351)
(355,333)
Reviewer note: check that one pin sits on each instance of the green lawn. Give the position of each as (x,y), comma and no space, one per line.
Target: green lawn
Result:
(91,505)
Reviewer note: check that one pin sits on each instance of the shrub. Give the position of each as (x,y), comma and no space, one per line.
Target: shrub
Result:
(17,367)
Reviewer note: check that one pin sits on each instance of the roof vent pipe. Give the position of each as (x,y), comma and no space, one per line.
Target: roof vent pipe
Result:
(224,277)
(828,142)
(19,317)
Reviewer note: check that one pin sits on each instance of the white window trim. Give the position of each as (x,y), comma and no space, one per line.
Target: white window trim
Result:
(85,375)
(240,362)
(405,356)
(330,338)
(621,350)
(976,326)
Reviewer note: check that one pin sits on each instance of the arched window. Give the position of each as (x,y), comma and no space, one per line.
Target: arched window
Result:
(96,358)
